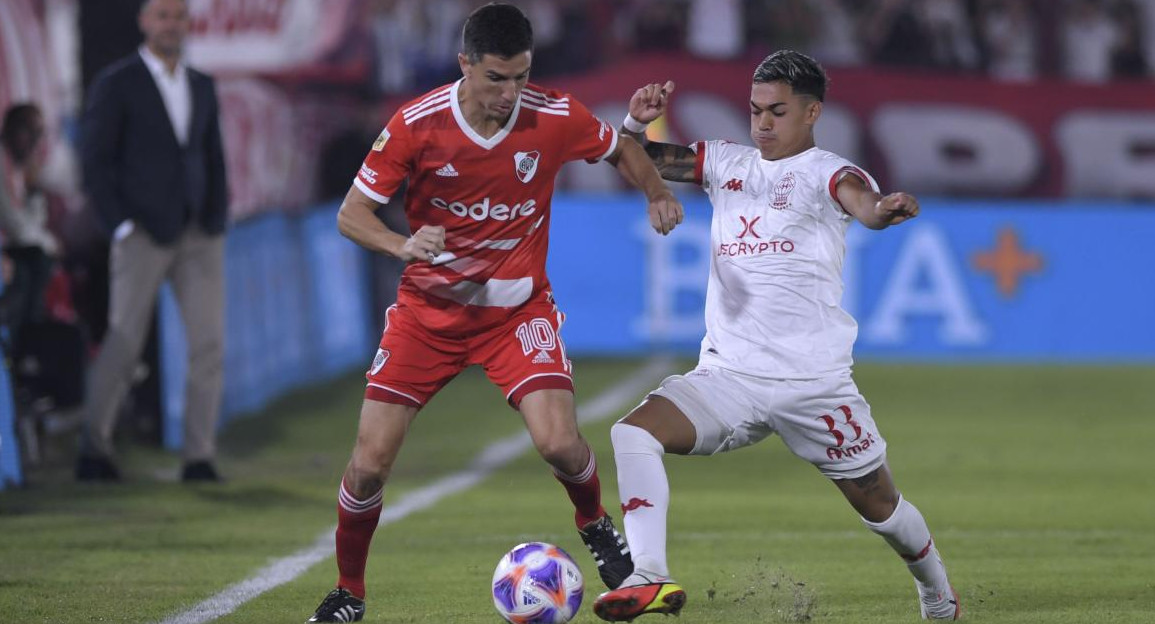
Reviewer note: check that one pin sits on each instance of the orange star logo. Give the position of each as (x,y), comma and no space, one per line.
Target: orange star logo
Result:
(1008,262)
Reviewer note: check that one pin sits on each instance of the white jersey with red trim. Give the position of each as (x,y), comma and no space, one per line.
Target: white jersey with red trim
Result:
(492,195)
(774,300)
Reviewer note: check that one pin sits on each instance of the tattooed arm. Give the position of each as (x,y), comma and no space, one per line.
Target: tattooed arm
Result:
(674,162)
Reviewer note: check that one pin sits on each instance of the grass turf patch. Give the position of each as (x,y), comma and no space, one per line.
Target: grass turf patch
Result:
(1033,479)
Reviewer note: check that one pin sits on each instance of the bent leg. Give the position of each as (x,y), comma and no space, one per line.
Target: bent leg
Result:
(872,495)
(526,358)
(380,434)
(552,425)
(550,419)
(885,512)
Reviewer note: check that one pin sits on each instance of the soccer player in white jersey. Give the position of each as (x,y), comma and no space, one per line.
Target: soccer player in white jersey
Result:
(777,353)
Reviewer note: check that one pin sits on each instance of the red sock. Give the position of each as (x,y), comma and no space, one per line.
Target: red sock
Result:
(585,490)
(356,521)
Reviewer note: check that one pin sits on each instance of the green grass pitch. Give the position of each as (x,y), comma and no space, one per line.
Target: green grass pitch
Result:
(1036,481)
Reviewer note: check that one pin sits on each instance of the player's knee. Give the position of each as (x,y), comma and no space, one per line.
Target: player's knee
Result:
(563,453)
(363,483)
(877,501)
(629,438)
(369,464)
(879,508)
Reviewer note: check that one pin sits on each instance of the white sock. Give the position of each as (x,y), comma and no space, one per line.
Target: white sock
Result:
(906,532)
(645,493)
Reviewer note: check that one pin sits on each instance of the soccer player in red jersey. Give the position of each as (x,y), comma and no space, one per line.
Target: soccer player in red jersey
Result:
(481,155)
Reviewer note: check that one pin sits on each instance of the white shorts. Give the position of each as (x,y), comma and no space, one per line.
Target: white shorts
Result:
(824,421)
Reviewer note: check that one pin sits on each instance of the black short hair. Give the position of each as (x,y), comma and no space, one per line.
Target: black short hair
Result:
(18,116)
(801,72)
(498,29)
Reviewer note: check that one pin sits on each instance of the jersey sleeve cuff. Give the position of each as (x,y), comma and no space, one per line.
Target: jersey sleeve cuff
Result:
(613,146)
(370,193)
(843,172)
(699,161)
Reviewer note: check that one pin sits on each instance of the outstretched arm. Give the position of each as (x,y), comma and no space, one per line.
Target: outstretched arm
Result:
(872,209)
(674,162)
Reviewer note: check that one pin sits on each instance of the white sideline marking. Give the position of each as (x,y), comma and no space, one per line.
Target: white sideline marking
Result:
(490,459)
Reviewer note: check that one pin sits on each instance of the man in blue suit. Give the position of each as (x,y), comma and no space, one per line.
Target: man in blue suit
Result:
(154,168)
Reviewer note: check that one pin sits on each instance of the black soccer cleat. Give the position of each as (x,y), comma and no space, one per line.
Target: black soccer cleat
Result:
(339,606)
(609,550)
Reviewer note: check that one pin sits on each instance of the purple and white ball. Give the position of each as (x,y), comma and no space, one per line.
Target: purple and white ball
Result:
(537,583)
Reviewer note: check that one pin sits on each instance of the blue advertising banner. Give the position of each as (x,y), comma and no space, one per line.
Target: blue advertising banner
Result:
(10,471)
(341,327)
(965,281)
(10,463)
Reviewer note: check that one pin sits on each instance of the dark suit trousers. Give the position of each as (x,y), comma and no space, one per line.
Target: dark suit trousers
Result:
(138,266)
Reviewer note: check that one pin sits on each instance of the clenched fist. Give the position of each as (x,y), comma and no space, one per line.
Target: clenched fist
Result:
(425,244)
(665,212)
(896,208)
(649,102)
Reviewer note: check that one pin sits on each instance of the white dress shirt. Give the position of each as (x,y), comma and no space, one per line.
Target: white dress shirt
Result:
(174,90)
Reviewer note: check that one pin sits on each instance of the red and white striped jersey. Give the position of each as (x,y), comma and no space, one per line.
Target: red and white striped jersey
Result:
(491,195)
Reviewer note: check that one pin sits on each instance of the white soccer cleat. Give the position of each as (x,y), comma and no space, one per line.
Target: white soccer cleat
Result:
(938,605)
(645,577)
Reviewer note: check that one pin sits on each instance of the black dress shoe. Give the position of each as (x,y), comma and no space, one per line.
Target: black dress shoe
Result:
(95,468)
(200,471)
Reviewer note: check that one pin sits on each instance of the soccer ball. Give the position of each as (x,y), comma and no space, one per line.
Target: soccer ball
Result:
(537,583)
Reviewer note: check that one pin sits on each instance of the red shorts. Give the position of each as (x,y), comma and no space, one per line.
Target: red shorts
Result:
(520,356)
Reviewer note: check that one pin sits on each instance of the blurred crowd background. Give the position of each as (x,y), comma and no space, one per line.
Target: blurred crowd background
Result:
(1091,41)
(336,64)
(1037,100)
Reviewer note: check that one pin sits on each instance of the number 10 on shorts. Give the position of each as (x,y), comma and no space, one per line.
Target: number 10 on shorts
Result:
(536,335)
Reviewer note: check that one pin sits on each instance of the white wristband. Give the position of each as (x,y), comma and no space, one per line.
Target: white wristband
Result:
(633,125)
